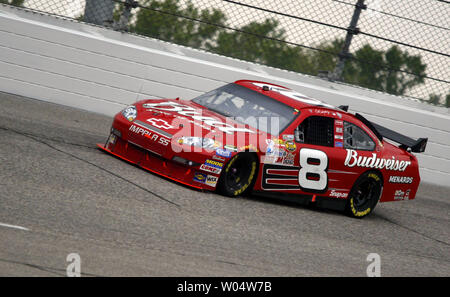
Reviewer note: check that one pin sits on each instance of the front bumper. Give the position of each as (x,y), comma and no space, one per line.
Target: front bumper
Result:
(191,176)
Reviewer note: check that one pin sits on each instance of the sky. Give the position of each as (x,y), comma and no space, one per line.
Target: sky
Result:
(432,31)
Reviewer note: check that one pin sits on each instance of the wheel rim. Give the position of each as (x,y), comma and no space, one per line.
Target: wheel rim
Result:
(238,174)
(364,194)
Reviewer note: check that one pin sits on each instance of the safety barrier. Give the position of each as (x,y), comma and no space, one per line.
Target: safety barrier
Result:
(100,70)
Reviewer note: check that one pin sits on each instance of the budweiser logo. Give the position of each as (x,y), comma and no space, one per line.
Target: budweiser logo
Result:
(353,159)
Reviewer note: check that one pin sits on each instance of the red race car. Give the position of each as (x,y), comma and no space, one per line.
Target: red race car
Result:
(251,136)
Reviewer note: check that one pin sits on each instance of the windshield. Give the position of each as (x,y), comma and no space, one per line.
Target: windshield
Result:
(249,107)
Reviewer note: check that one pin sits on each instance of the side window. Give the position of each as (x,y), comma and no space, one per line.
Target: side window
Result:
(355,138)
(316,130)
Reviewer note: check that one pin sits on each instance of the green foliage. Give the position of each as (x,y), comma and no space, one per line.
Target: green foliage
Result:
(80,18)
(325,58)
(13,2)
(264,42)
(434,99)
(167,26)
(248,44)
(370,68)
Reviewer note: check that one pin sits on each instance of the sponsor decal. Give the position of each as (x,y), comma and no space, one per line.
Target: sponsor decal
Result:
(160,123)
(273,147)
(200,177)
(337,194)
(152,136)
(373,161)
(211,180)
(273,144)
(203,178)
(277,153)
(339,135)
(323,112)
(288,137)
(290,146)
(288,160)
(223,153)
(273,152)
(339,122)
(214,163)
(400,195)
(249,147)
(401,179)
(215,157)
(195,114)
(274,156)
(210,169)
(270,147)
(230,147)
(212,166)
(406,197)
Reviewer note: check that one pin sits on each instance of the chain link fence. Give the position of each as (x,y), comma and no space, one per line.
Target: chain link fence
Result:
(398,47)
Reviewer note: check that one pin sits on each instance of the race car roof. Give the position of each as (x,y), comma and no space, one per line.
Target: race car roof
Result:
(283,94)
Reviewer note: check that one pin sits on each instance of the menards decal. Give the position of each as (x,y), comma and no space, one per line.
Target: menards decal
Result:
(353,159)
(401,179)
(196,115)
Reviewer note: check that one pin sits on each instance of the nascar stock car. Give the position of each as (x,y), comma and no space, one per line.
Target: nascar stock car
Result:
(255,137)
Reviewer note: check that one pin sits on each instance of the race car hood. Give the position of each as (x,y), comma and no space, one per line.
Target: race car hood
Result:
(176,118)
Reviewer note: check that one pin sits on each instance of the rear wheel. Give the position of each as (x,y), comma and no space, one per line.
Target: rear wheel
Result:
(239,175)
(364,195)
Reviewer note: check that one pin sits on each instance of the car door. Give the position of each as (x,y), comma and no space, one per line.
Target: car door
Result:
(299,160)
(314,138)
(348,139)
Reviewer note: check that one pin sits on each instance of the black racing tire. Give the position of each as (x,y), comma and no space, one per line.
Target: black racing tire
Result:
(238,175)
(364,195)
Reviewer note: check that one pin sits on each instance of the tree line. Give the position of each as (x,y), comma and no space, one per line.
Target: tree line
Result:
(265,43)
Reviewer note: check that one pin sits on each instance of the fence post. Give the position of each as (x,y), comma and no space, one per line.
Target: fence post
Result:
(98,11)
(121,25)
(351,30)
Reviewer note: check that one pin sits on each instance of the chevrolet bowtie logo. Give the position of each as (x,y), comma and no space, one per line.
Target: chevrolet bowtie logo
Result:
(159,123)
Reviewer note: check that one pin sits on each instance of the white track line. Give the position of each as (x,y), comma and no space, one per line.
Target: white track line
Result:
(14,227)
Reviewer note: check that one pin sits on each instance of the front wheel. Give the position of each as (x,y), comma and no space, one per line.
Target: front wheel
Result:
(364,195)
(239,175)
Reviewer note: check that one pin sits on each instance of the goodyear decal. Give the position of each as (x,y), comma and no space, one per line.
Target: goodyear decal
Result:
(206,179)
(249,181)
(358,213)
(200,177)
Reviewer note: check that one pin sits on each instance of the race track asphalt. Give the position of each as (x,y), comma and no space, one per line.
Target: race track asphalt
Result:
(59,195)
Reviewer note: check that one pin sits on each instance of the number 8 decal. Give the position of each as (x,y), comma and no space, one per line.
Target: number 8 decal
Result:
(314,163)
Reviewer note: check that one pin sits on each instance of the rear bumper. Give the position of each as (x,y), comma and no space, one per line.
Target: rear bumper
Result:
(189,176)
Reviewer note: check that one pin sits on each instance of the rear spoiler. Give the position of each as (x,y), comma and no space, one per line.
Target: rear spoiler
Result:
(416,146)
